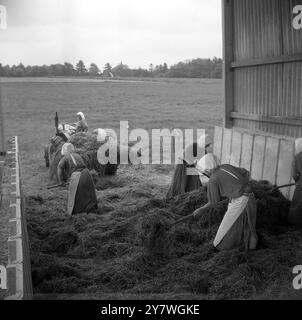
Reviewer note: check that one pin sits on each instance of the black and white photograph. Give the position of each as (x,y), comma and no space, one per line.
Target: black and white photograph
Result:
(150,151)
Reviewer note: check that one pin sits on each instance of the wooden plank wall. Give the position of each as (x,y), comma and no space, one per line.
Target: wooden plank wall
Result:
(266,157)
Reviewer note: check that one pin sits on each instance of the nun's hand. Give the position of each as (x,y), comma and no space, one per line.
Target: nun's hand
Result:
(203,209)
(196,213)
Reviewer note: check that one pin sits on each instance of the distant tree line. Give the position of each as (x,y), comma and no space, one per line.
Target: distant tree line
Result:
(196,68)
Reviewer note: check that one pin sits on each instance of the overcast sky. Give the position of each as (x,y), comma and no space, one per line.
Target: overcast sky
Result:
(136,32)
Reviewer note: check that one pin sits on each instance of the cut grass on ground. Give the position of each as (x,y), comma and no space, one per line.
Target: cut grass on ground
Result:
(89,256)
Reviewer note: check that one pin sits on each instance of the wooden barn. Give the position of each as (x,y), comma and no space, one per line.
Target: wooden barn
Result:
(262,51)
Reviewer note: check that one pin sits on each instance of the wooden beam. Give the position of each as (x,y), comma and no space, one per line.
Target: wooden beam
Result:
(285,159)
(226,146)
(263,133)
(271,159)
(258,157)
(236,148)
(293,121)
(266,61)
(217,148)
(247,151)
(228,75)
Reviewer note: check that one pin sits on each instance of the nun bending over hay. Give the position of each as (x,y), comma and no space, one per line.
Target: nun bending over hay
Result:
(186,178)
(81,191)
(295,212)
(237,229)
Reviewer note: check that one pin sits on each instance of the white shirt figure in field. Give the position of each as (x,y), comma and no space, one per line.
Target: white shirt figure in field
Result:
(81,125)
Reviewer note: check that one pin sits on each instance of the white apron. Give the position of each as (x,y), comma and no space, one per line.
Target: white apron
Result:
(72,189)
(235,208)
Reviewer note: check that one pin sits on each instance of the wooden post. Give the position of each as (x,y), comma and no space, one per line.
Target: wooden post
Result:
(2,136)
(57,122)
(228,74)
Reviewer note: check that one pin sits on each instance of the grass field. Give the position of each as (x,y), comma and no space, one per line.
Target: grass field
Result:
(30,106)
(97,267)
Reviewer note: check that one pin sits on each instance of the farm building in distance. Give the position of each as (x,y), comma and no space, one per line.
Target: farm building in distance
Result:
(262,51)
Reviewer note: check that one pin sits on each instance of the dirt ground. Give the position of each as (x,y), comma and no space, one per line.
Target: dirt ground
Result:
(103,255)
(100,255)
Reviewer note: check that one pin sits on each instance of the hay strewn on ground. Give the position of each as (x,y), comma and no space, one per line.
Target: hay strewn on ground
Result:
(128,247)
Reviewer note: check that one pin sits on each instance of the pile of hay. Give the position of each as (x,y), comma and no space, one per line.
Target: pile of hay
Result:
(86,145)
(272,206)
(154,234)
(85,141)
(132,249)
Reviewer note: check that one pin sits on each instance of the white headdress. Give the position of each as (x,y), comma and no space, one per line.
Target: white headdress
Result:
(208,162)
(67,148)
(204,140)
(298,146)
(81,114)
